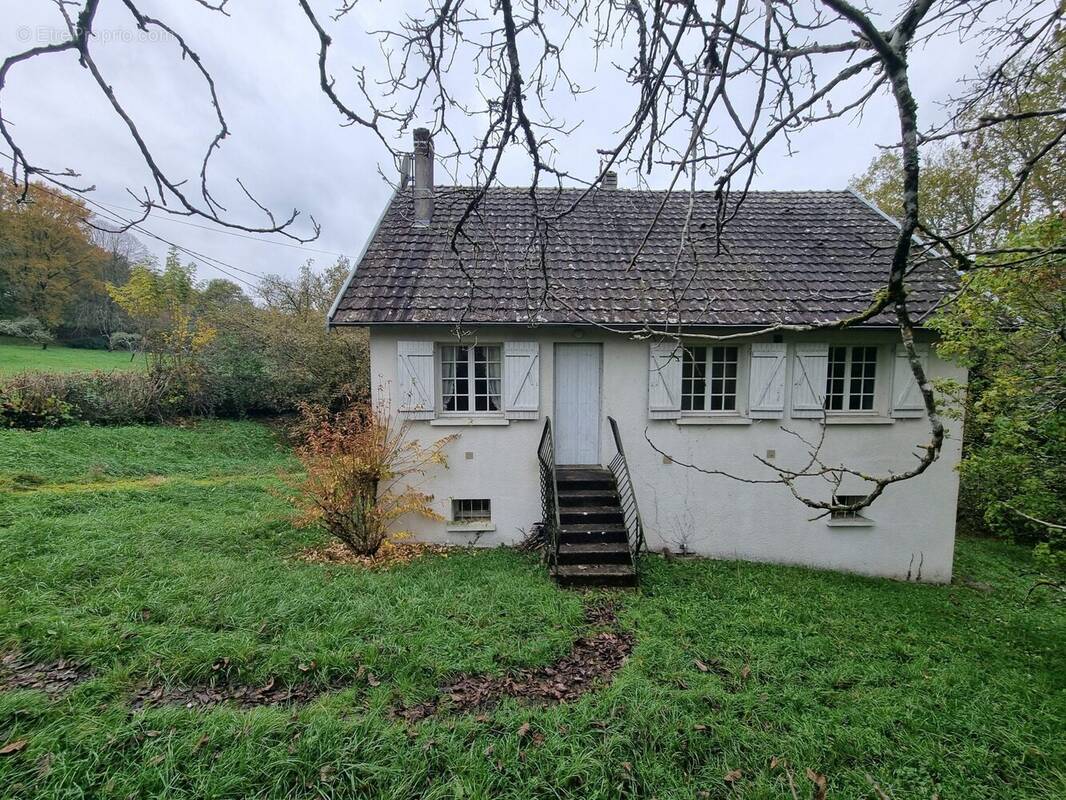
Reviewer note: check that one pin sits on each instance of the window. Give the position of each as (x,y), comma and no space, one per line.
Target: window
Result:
(847,500)
(850,376)
(471,511)
(709,379)
(470,378)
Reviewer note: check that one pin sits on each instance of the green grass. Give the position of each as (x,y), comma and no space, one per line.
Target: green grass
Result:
(929,690)
(20,356)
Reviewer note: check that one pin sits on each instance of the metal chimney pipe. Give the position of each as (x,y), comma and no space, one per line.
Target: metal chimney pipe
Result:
(423,187)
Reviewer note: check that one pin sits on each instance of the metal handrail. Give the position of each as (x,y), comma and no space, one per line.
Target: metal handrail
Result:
(627,496)
(549,491)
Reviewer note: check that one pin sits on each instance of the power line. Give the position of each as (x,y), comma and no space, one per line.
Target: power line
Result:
(238,234)
(111,216)
(136,226)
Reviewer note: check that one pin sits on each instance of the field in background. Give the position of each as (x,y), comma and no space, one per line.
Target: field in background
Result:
(164,555)
(20,356)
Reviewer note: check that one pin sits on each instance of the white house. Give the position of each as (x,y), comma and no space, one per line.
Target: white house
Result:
(525,325)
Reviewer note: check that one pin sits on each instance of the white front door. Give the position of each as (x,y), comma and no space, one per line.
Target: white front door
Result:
(577,403)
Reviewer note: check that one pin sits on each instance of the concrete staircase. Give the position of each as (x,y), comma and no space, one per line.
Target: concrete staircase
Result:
(593,546)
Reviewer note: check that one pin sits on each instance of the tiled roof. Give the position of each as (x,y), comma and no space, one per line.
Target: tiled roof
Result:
(787,257)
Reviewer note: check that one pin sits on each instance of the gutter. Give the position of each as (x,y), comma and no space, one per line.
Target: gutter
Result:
(355,264)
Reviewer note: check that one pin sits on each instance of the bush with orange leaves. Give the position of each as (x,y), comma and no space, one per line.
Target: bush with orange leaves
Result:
(358,465)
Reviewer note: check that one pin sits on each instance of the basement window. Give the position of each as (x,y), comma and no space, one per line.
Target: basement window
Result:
(847,500)
(471,512)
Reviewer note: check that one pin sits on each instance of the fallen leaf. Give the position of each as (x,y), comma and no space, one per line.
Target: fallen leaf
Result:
(13,747)
(200,742)
(151,734)
(774,762)
(701,666)
(744,673)
(269,685)
(523,731)
(733,776)
(699,727)
(819,783)
(372,681)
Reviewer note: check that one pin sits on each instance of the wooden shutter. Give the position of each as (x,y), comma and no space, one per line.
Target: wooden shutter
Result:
(414,370)
(766,380)
(521,379)
(906,398)
(664,380)
(808,379)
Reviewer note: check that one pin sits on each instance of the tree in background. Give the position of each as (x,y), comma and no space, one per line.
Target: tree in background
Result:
(1009,321)
(1009,327)
(47,254)
(961,180)
(163,306)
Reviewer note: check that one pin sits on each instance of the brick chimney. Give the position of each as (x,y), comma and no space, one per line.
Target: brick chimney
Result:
(610,180)
(423,185)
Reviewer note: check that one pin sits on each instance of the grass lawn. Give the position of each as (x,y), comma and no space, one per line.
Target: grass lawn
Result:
(162,555)
(20,356)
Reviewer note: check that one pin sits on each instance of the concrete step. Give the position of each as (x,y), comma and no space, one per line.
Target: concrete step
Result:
(590,533)
(583,479)
(595,575)
(601,515)
(587,497)
(594,553)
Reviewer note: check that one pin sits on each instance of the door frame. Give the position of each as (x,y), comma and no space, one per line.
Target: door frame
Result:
(599,394)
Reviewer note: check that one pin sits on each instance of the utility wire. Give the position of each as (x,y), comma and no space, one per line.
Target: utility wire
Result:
(216,263)
(111,216)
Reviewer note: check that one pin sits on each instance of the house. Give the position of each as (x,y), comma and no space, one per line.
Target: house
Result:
(481,343)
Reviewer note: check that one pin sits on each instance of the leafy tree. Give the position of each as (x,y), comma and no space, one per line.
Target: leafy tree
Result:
(961,180)
(163,305)
(47,255)
(1009,327)
(309,294)
(27,328)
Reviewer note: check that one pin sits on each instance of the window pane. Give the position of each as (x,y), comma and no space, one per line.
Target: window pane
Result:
(487,383)
(834,383)
(723,392)
(861,384)
(693,378)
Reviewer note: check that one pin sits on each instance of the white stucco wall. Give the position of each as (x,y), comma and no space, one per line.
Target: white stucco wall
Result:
(913,523)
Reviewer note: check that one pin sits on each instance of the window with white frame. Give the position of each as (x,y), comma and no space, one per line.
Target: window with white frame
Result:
(850,378)
(847,500)
(470,511)
(471,378)
(709,378)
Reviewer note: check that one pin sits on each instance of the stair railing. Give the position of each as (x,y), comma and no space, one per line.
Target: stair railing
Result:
(549,491)
(626,496)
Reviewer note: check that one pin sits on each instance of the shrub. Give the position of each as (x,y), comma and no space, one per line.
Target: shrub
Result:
(358,463)
(107,398)
(27,328)
(31,410)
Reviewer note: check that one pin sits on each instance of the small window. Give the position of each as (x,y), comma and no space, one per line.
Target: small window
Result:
(471,378)
(709,379)
(469,511)
(850,379)
(847,500)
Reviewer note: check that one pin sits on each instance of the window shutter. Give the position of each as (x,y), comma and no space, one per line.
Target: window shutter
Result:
(766,381)
(415,370)
(808,379)
(521,379)
(664,380)
(906,398)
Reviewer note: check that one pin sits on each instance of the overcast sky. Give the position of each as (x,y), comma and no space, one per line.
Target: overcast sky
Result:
(287,144)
